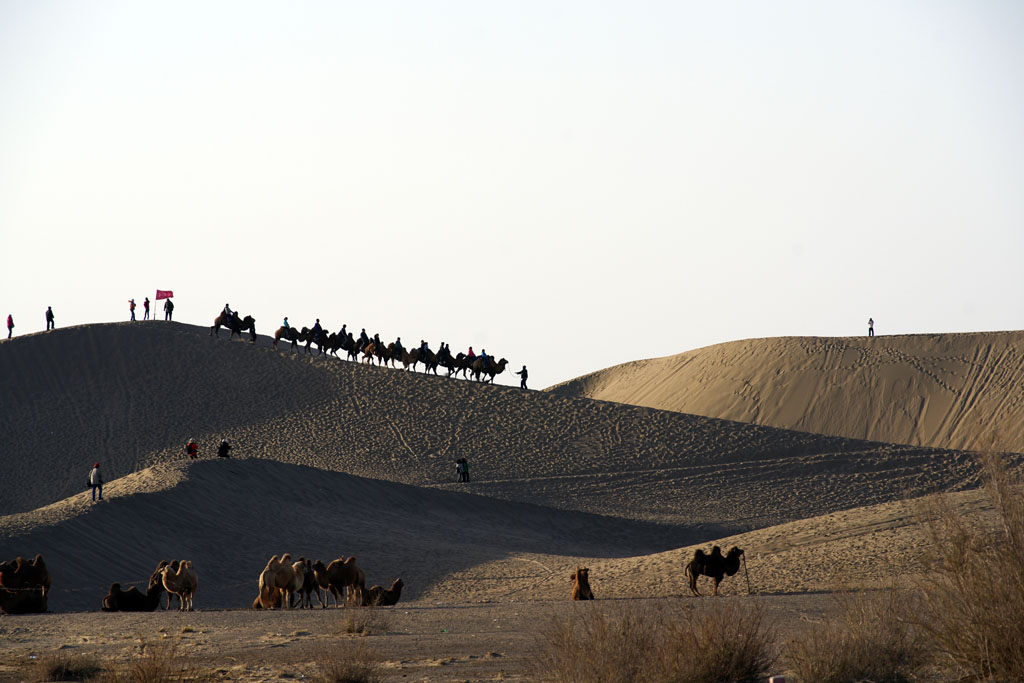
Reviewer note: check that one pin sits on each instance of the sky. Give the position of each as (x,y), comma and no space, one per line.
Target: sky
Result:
(569,185)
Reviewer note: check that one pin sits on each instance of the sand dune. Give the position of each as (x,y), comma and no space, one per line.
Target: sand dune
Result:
(961,391)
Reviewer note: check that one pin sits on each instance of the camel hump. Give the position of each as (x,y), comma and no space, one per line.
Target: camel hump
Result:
(698,554)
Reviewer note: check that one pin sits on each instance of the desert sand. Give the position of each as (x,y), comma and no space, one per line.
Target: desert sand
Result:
(335,458)
(939,390)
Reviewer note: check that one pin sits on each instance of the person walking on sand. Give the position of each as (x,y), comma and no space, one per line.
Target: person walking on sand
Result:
(10,325)
(131,308)
(222,450)
(50,325)
(145,308)
(96,482)
(168,309)
(871,327)
(192,449)
(458,469)
(524,374)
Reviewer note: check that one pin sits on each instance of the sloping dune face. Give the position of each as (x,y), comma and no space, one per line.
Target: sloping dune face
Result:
(130,396)
(963,391)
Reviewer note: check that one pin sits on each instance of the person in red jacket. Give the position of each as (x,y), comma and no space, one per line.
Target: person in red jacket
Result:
(10,325)
(192,449)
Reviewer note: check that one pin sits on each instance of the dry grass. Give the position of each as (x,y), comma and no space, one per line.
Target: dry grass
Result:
(348,663)
(871,640)
(717,642)
(157,662)
(62,666)
(972,610)
(364,621)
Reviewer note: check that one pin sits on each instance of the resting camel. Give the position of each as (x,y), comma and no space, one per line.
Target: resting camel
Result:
(182,583)
(22,601)
(132,600)
(378,596)
(235,326)
(346,578)
(490,368)
(20,574)
(713,565)
(581,584)
(278,575)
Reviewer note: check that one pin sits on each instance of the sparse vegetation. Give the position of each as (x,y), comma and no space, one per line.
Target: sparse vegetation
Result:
(723,641)
(365,621)
(157,662)
(349,663)
(63,666)
(972,610)
(869,641)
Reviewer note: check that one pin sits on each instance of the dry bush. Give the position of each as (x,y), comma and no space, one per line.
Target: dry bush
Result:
(365,621)
(870,641)
(62,666)
(157,662)
(972,610)
(348,663)
(717,642)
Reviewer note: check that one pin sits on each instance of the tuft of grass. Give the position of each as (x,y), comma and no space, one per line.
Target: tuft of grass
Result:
(365,621)
(61,666)
(972,608)
(870,641)
(348,663)
(717,642)
(159,662)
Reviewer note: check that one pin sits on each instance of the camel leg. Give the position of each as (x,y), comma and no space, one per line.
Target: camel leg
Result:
(714,592)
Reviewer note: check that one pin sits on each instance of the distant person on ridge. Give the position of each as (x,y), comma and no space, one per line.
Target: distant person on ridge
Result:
(10,325)
(222,450)
(131,308)
(96,482)
(50,325)
(192,449)
(522,373)
(168,309)
(871,327)
(145,308)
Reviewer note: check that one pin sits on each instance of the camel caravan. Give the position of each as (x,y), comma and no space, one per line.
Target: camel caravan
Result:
(24,586)
(283,582)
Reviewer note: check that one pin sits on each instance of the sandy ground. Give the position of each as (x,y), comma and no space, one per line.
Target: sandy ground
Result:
(334,458)
(943,390)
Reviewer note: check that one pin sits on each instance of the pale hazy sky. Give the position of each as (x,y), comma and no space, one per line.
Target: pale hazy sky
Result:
(567,184)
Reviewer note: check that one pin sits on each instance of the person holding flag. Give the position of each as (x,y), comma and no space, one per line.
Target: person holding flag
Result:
(168,305)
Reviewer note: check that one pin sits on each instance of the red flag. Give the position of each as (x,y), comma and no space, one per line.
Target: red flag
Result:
(164,294)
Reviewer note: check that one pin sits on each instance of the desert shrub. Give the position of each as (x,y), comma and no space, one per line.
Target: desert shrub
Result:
(365,621)
(348,663)
(716,642)
(870,640)
(62,666)
(157,662)
(972,611)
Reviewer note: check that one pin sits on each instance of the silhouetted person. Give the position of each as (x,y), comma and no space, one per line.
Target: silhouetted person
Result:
(145,308)
(168,309)
(522,373)
(871,327)
(50,325)
(131,308)
(10,325)
(222,450)
(192,449)
(96,481)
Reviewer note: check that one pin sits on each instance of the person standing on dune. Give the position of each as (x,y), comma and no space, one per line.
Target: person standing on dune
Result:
(145,308)
(131,308)
(10,325)
(192,449)
(871,327)
(96,481)
(168,309)
(50,325)
(524,374)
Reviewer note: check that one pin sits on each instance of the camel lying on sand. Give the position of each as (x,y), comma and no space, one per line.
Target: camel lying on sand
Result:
(133,600)
(378,596)
(23,600)
(581,584)
(346,578)
(714,565)
(182,583)
(19,574)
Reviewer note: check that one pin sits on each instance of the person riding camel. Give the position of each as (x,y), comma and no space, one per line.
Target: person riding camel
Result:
(227,310)
(470,354)
(285,324)
(398,346)
(484,356)
(363,339)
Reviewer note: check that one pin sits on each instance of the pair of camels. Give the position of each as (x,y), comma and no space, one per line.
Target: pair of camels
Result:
(24,586)
(282,580)
(179,579)
(235,325)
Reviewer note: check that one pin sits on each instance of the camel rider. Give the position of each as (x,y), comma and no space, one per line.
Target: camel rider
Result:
(343,333)
(317,329)
(471,355)
(424,349)
(227,310)
(398,346)
(484,356)
(376,341)
(285,324)
(363,339)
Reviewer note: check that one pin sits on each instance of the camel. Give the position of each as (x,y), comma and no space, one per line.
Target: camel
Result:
(273,601)
(182,583)
(132,600)
(461,363)
(294,587)
(286,333)
(321,582)
(158,573)
(490,369)
(23,600)
(20,574)
(378,596)
(278,575)
(308,585)
(581,584)
(714,565)
(235,326)
(346,578)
